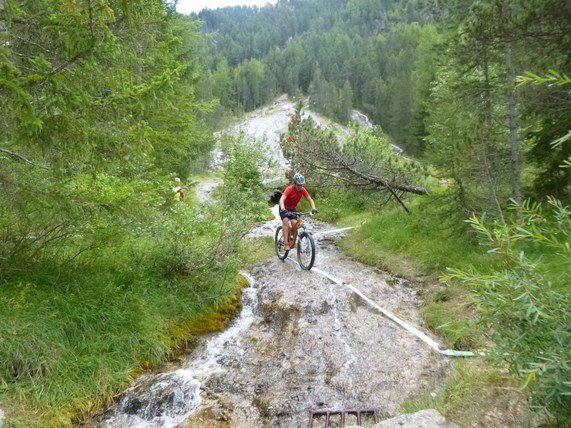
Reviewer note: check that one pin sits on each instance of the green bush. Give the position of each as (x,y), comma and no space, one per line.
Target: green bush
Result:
(243,195)
(525,302)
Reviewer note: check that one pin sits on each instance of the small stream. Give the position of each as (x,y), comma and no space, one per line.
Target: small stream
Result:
(167,399)
(301,343)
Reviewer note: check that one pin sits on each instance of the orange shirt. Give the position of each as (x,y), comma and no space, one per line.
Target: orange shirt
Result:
(293,196)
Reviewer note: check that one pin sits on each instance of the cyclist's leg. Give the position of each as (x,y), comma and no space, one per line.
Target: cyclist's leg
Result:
(285,228)
(293,223)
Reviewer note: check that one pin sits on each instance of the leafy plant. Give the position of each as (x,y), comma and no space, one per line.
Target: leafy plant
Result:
(243,194)
(526,303)
(553,77)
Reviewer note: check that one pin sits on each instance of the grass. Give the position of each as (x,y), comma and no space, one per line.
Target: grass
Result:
(472,390)
(74,342)
(451,313)
(423,242)
(421,237)
(258,249)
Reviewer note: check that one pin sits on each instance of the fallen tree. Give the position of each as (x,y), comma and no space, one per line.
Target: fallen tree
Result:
(365,160)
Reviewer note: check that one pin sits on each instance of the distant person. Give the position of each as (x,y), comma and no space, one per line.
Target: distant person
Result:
(288,203)
(178,190)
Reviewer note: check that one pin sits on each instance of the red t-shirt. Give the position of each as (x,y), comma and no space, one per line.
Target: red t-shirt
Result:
(293,196)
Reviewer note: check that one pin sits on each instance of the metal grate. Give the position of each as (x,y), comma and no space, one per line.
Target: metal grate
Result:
(340,418)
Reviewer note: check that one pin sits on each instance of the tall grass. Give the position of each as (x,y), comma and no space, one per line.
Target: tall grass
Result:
(432,237)
(73,337)
(471,391)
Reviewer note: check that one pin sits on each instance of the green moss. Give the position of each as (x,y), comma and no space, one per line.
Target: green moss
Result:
(212,320)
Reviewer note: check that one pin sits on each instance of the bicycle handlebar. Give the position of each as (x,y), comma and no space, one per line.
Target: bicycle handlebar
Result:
(302,214)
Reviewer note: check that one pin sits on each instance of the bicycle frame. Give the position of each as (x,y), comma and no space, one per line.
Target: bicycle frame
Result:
(292,238)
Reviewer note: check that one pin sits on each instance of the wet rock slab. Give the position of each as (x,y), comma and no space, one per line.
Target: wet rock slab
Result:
(316,345)
(302,343)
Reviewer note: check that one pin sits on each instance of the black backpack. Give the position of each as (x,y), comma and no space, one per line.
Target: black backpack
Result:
(275,198)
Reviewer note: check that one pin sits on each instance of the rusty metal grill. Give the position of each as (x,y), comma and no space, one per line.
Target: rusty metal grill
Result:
(340,418)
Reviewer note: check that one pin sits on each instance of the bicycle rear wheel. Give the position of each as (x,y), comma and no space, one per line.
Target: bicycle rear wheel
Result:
(305,250)
(279,244)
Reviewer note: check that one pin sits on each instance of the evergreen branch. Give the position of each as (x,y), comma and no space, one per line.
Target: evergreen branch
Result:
(79,54)
(386,184)
(553,77)
(30,42)
(69,62)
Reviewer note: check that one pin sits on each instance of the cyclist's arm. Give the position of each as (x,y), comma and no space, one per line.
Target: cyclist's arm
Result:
(310,200)
(282,202)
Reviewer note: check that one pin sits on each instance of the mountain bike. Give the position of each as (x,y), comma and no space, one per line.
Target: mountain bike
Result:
(300,238)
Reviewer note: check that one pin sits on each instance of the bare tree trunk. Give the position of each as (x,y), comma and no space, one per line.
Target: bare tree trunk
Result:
(490,167)
(515,144)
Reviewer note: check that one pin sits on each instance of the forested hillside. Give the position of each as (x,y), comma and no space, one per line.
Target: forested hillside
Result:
(104,273)
(438,77)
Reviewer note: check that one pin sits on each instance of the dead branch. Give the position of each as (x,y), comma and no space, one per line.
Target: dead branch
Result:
(21,158)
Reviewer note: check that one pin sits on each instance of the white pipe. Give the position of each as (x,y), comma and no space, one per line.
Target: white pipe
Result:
(324,232)
(430,342)
(413,330)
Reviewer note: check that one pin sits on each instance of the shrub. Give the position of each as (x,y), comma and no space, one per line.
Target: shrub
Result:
(525,302)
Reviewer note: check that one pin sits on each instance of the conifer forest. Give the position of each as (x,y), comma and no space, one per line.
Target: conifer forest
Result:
(104,275)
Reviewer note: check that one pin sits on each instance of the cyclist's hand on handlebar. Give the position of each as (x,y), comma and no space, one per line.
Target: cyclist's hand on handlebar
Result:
(313,212)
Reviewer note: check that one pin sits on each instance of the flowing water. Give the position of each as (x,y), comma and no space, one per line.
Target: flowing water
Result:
(301,343)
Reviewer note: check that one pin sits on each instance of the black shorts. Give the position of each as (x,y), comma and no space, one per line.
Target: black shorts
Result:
(289,214)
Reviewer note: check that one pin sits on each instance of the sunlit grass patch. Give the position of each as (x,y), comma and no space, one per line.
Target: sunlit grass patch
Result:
(472,392)
(421,237)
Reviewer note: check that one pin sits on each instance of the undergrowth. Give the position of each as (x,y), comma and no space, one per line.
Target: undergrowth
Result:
(73,337)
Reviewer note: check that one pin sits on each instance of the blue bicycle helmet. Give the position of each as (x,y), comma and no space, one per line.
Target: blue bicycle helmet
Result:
(299,179)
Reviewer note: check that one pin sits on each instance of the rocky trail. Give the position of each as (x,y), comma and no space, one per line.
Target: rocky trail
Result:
(316,345)
(302,343)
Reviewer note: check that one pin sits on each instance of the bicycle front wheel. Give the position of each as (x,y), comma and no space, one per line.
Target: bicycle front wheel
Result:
(279,244)
(305,250)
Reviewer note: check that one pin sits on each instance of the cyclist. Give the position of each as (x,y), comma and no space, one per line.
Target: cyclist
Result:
(288,203)
(177,189)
